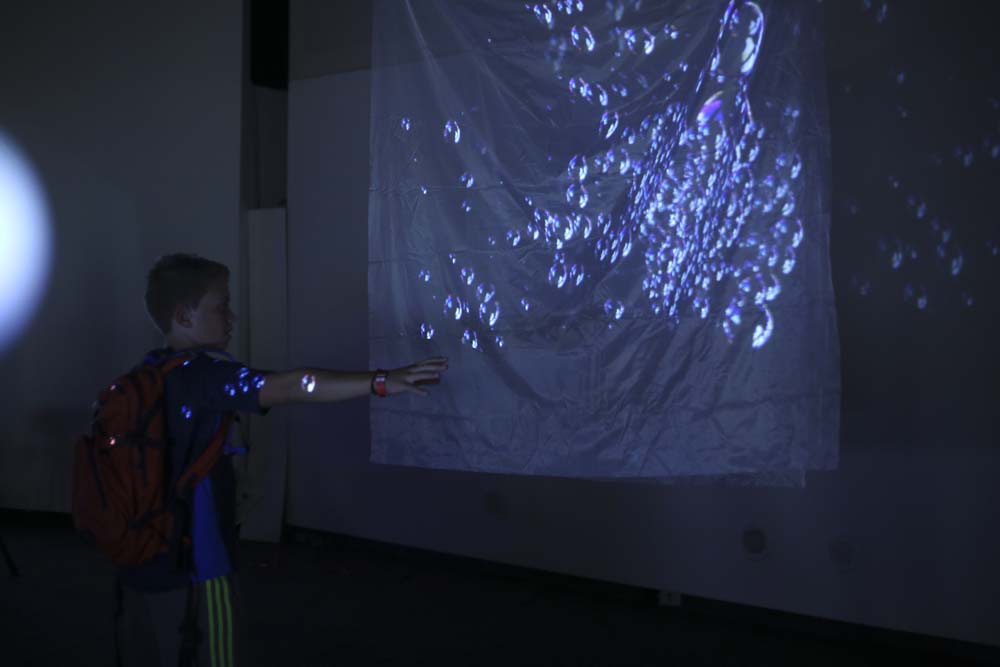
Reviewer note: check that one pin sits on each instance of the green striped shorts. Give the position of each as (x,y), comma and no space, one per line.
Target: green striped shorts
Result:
(150,628)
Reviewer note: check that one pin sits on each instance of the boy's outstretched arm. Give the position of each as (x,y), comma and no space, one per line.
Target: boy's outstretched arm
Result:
(318,385)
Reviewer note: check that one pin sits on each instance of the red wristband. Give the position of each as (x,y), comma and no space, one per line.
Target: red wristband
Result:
(379,382)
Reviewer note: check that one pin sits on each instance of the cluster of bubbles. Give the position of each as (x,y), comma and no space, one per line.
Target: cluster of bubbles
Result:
(931,252)
(711,207)
(244,383)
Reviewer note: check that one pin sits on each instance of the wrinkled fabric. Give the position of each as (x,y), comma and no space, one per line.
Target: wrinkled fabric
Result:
(613,218)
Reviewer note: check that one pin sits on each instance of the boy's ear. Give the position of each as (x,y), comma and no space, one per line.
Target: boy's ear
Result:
(182,315)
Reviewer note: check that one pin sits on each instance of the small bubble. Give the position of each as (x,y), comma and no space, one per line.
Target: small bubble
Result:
(467,180)
(186,412)
(609,123)
(882,12)
(489,313)
(452,132)
(424,275)
(468,275)
(405,124)
(426,331)
(543,14)
(453,307)
(630,39)
(308,383)
(582,38)
(614,309)
(485,292)
(648,41)
(576,195)
(470,338)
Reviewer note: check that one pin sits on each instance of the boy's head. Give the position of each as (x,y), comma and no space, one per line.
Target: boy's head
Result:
(187,297)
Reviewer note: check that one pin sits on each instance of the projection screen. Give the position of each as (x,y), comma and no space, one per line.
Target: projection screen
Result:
(613,219)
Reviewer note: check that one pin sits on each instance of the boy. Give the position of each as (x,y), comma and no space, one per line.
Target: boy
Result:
(190,596)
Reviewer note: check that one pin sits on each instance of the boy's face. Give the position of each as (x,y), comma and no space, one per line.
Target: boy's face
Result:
(208,325)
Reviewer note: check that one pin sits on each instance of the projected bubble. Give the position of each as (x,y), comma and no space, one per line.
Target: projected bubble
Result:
(25,242)
(679,180)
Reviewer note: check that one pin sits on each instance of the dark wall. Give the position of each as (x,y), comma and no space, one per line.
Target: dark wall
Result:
(899,535)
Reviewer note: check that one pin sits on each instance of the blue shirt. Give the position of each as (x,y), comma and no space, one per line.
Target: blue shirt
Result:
(197,397)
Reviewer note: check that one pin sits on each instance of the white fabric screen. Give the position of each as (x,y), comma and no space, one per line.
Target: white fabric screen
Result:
(613,218)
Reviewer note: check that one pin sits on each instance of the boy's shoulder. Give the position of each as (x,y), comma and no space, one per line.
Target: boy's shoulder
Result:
(201,356)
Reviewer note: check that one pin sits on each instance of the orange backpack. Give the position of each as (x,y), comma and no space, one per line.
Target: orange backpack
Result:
(121,503)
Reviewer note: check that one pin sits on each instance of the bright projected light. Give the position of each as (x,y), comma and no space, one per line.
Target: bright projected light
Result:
(612,215)
(25,243)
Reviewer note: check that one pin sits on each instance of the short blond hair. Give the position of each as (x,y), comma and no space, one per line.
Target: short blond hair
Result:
(179,279)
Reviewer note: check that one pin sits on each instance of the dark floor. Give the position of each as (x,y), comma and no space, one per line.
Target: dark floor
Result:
(321,599)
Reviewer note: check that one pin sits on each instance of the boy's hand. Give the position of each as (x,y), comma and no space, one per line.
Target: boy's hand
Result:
(408,378)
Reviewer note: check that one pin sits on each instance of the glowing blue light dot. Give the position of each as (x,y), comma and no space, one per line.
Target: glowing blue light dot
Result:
(525,305)
(453,307)
(582,38)
(630,39)
(485,292)
(490,313)
(230,389)
(897,259)
(543,14)
(470,338)
(423,189)
(609,123)
(308,383)
(648,41)
(186,411)
(576,195)
(466,206)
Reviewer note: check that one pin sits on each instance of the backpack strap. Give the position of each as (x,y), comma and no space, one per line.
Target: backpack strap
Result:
(200,469)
